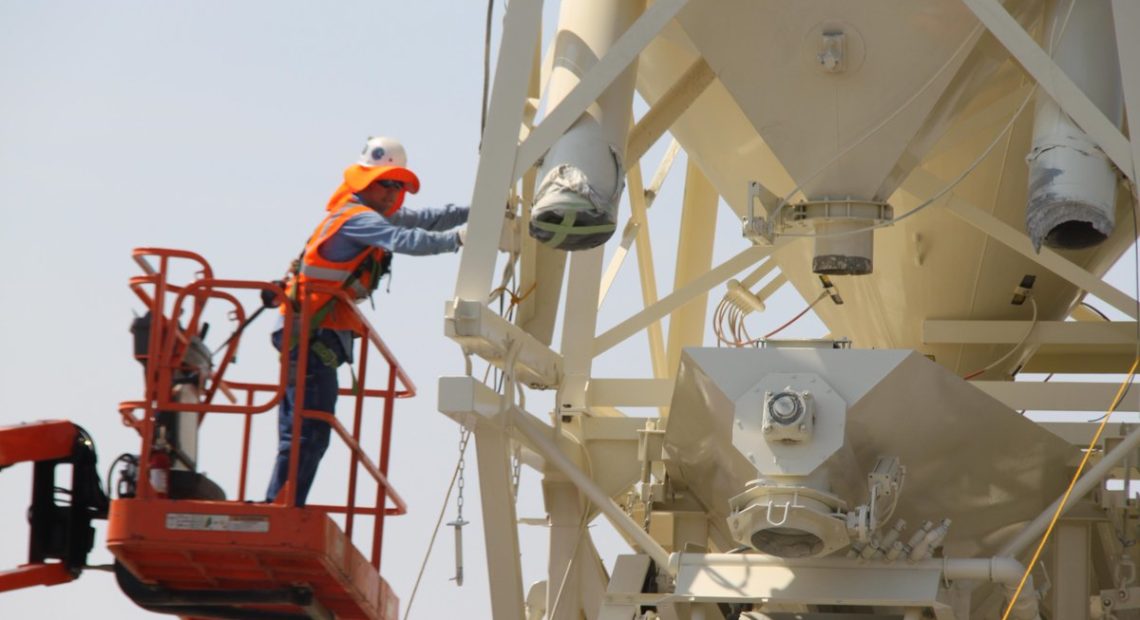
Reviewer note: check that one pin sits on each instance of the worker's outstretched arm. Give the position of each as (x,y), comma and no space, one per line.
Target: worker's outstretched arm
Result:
(372,229)
(430,218)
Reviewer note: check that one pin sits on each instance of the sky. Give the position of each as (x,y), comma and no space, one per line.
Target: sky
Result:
(222,127)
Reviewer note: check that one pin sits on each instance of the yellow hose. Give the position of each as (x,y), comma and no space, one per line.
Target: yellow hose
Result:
(1076,476)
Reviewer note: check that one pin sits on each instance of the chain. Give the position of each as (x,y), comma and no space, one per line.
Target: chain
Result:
(516,469)
(464,436)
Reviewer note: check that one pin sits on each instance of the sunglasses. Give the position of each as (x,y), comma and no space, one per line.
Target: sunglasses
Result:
(390,184)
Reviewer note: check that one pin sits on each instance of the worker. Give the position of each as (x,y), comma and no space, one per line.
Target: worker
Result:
(352,248)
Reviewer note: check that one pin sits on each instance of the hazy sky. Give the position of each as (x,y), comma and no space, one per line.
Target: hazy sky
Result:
(223,127)
(220,127)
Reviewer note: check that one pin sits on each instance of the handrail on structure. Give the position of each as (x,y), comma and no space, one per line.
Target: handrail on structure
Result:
(170,351)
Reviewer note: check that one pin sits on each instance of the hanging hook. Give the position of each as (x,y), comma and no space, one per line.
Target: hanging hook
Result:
(458,525)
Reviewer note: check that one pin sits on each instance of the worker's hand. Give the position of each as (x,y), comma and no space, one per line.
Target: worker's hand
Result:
(509,240)
(461,236)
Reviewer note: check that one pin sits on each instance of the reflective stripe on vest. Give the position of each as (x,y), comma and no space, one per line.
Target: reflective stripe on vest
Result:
(325,273)
(315,268)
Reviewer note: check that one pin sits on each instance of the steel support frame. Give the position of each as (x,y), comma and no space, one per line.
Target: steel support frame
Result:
(679,98)
(481,331)
(986,121)
(1056,396)
(629,575)
(579,326)
(538,436)
(624,51)
(637,230)
(1070,574)
(1037,63)
(479,408)
(495,178)
(1019,395)
(573,559)
(679,297)
(697,232)
(922,183)
(639,201)
(504,160)
(500,532)
(495,174)
(1033,333)
(1089,480)
(780,582)
(1126,19)
(585,270)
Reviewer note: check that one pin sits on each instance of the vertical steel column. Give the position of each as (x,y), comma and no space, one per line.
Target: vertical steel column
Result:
(495,175)
(647,276)
(579,325)
(1070,571)
(499,521)
(694,259)
(1126,20)
(564,507)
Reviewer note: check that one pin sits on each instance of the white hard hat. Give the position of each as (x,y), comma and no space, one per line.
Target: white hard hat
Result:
(381,151)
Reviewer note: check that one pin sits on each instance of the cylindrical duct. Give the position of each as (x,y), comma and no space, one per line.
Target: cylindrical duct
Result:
(1072,186)
(582,176)
(840,250)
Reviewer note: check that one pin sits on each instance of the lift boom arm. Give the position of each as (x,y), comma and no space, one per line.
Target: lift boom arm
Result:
(58,532)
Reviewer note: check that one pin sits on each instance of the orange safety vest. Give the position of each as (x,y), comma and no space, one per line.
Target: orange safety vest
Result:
(358,275)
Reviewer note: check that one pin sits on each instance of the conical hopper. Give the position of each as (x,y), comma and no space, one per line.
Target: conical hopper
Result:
(763,119)
(814,77)
(968,457)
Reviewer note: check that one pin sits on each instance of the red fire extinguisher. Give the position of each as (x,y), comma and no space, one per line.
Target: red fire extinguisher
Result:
(159,466)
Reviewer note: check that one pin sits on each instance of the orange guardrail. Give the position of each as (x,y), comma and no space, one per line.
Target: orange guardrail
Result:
(176,311)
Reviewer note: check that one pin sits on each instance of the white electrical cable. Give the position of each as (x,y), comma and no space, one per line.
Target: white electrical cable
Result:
(993,364)
(940,193)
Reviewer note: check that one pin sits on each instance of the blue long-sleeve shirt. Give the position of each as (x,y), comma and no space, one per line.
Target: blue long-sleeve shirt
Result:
(419,232)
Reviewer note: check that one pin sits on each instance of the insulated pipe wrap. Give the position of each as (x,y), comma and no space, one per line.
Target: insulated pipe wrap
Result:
(582,176)
(1072,185)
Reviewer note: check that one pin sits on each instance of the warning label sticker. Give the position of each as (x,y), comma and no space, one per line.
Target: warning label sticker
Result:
(216,523)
